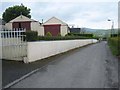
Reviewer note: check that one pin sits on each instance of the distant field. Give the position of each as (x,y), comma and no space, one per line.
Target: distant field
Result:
(114,44)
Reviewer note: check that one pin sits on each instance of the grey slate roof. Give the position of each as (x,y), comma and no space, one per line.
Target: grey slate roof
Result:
(75,30)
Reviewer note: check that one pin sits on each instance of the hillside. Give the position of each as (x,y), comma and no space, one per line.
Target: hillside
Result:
(100,32)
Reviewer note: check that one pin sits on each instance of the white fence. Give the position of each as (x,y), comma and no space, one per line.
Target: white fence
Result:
(44,49)
(14,47)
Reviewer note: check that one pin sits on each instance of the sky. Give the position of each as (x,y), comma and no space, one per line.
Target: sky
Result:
(79,13)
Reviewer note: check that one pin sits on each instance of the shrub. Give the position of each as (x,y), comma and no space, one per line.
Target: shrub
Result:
(48,34)
(59,34)
(66,35)
(114,35)
(31,35)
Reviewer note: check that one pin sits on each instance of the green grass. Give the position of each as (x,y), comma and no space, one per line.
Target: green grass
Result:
(114,44)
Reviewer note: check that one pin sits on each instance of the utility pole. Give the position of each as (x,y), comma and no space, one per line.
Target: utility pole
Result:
(112,27)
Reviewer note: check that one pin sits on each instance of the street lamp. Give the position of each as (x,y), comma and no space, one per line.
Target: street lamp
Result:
(112,27)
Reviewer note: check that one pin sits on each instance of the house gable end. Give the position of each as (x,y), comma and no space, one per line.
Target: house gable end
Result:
(22,18)
(54,20)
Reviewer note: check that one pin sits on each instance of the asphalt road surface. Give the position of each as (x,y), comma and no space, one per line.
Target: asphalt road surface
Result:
(0,73)
(89,67)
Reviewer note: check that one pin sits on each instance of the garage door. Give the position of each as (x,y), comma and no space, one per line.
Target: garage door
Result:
(53,29)
(22,25)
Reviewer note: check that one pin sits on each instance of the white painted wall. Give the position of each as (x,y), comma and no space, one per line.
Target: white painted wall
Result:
(41,31)
(2,27)
(40,50)
(64,30)
(35,26)
(12,49)
(8,26)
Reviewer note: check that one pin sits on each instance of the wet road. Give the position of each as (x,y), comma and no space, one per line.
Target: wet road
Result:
(85,68)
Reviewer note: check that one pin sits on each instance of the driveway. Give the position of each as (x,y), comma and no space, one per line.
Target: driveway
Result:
(89,67)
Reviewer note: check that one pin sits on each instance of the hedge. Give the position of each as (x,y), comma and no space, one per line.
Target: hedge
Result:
(78,34)
(63,38)
(31,35)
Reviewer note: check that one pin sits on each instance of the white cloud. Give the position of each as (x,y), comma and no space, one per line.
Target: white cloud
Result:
(61,0)
(88,24)
(82,14)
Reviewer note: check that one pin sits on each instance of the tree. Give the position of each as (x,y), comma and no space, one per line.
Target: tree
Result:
(12,12)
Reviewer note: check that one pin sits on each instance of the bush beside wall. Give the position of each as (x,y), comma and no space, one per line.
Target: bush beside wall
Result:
(31,35)
(48,34)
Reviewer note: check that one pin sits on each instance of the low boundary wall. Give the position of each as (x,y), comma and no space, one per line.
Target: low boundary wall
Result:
(43,49)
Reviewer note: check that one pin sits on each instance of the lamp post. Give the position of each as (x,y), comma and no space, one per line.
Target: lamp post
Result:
(112,27)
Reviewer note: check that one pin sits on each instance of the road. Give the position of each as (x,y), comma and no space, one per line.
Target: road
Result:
(88,67)
(0,73)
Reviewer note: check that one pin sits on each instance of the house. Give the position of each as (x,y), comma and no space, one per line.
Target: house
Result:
(56,27)
(75,30)
(25,22)
(2,24)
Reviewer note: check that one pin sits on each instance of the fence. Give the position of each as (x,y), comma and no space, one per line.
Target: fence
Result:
(14,46)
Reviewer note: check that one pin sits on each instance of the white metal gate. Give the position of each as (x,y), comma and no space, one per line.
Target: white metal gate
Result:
(14,46)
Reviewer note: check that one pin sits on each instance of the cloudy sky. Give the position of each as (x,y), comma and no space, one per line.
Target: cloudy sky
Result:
(80,13)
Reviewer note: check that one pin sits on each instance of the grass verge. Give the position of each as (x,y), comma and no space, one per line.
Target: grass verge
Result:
(114,44)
